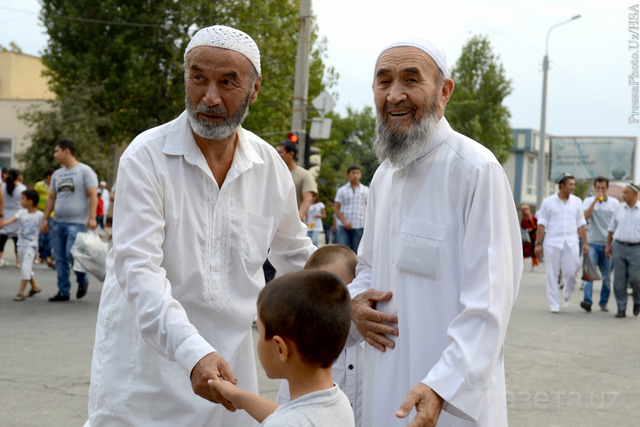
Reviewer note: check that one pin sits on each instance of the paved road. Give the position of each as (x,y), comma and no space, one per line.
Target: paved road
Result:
(567,369)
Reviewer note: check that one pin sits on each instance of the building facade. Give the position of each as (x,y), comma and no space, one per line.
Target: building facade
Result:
(522,166)
(22,87)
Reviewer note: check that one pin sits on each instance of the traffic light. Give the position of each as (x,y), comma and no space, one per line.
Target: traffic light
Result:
(291,136)
(309,151)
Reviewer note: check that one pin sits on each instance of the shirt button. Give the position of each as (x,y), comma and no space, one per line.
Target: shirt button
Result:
(393,231)
(395,203)
(350,366)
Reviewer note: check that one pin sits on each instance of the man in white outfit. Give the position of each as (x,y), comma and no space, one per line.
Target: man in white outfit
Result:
(440,257)
(560,221)
(200,201)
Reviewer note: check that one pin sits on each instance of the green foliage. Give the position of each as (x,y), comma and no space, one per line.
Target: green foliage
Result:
(13,47)
(117,69)
(350,143)
(476,108)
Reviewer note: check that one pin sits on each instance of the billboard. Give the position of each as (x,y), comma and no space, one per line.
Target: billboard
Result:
(587,157)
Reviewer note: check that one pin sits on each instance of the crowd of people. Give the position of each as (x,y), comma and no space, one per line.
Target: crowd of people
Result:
(409,330)
(567,228)
(65,202)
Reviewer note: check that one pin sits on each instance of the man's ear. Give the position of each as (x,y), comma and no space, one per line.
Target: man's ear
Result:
(284,347)
(446,90)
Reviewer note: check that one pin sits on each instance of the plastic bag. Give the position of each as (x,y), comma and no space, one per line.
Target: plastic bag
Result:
(90,252)
(526,238)
(589,271)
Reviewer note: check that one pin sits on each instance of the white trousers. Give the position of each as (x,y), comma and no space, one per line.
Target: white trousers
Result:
(567,258)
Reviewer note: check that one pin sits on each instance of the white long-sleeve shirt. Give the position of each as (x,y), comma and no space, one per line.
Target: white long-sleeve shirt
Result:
(443,236)
(184,275)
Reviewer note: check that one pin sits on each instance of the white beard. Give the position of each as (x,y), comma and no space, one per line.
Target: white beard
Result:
(403,147)
(214,131)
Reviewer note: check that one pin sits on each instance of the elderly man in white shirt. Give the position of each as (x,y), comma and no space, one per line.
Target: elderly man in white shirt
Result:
(200,200)
(560,221)
(623,241)
(440,258)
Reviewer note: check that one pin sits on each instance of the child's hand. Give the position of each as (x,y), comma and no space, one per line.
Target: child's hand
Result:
(228,390)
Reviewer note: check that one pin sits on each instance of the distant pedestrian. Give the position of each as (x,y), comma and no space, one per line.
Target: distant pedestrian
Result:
(306,187)
(598,211)
(28,220)
(12,190)
(350,209)
(315,215)
(623,242)
(560,221)
(105,196)
(73,194)
(529,224)
(44,244)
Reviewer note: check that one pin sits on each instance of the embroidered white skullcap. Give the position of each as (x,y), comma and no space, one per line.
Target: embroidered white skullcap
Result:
(426,46)
(226,38)
(634,187)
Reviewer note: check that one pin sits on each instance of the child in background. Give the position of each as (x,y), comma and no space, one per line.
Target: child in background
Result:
(341,261)
(314,220)
(303,322)
(29,220)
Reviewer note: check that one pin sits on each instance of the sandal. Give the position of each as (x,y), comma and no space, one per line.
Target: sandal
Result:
(32,292)
(18,297)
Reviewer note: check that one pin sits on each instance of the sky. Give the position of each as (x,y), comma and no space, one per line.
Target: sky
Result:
(590,60)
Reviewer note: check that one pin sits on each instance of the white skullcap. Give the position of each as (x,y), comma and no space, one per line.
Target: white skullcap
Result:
(226,38)
(426,46)
(103,183)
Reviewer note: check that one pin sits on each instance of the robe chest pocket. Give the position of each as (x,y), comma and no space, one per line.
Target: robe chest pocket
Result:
(257,238)
(420,248)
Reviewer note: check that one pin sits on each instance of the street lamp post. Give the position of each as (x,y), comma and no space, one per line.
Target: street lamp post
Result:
(543,119)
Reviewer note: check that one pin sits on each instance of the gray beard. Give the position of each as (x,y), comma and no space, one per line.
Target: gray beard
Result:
(208,130)
(403,147)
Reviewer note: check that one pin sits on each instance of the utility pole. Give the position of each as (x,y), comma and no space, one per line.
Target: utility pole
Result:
(542,181)
(301,84)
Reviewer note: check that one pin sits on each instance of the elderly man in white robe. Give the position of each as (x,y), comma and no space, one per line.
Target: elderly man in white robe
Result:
(440,258)
(200,201)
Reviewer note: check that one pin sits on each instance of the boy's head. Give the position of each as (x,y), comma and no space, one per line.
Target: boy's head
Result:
(310,311)
(336,259)
(30,199)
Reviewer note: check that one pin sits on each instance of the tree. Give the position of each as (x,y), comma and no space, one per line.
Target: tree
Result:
(13,47)
(350,143)
(117,69)
(476,108)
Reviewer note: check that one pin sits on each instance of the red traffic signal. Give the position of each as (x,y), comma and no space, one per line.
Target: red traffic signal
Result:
(292,137)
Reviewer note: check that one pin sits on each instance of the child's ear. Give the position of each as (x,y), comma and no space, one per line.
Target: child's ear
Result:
(284,348)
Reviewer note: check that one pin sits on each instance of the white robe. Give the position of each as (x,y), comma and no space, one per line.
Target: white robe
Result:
(443,236)
(184,275)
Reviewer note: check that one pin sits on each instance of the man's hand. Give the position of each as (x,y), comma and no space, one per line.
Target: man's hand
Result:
(92,224)
(369,321)
(212,366)
(44,226)
(608,251)
(428,405)
(537,250)
(585,249)
(347,225)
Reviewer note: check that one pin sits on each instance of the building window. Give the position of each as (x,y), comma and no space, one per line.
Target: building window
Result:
(5,152)
(521,141)
(532,176)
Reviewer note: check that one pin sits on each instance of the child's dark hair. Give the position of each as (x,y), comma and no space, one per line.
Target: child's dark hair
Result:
(328,254)
(310,308)
(32,195)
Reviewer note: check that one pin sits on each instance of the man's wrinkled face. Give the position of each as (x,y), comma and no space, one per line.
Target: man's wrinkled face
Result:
(220,84)
(410,95)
